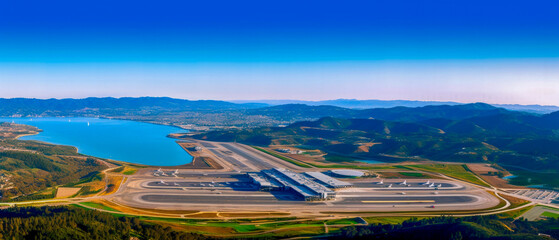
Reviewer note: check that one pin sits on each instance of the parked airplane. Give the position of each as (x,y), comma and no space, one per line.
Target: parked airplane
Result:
(405,182)
(162,182)
(432,185)
(381,181)
(389,186)
(427,183)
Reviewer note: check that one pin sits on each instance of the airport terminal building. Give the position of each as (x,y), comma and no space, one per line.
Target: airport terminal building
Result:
(311,186)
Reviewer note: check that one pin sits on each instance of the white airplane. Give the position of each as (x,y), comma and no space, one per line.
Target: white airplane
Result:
(389,186)
(440,185)
(155,174)
(161,181)
(176,184)
(427,183)
(159,170)
(432,185)
(403,193)
(177,171)
(381,181)
(405,182)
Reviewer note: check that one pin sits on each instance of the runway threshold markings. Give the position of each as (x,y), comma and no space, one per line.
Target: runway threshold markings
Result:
(401,201)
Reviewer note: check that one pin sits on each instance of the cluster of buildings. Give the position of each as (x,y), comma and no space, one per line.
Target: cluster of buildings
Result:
(311,186)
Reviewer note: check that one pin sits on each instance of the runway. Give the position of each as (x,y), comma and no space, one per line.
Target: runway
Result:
(233,190)
(272,200)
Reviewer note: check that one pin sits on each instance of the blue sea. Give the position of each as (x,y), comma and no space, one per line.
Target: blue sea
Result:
(127,141)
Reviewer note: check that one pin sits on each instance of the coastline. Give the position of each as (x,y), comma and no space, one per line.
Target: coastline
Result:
(174,129)
(27,134)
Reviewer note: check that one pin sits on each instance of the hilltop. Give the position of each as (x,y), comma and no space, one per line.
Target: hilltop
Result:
(28,167)
(462,133)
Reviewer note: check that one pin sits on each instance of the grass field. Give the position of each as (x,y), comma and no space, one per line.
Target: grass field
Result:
(526,178)
(98,206)
(550,215)
(297,163)
(130,172)
(452,170)
(516,213)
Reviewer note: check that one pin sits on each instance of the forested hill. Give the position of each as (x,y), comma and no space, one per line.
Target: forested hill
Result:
(28,167)
(513,139)
(109,106)
(76,223)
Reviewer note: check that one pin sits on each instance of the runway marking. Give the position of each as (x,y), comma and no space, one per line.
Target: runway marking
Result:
(401,201)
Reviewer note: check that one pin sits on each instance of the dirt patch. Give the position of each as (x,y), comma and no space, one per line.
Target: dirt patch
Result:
(515,202)
(487,173)
(114,184)
(63,192)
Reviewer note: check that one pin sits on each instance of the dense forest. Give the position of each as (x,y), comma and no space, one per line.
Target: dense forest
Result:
(477,227)
(76,223)
(67,222)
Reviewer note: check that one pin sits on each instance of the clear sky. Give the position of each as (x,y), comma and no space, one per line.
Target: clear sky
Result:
(467,51)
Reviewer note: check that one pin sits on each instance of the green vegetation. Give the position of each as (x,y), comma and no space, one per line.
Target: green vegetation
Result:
(28,168)
(300,164)
(527,178)
(516,213)
(118,169)
(77,223)
(130,172)
(478,227)
(551,214)
(412,174)
(458,171)
(98,206)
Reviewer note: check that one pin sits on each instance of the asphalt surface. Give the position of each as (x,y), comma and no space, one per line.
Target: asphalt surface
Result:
(257,162)
(231,160)
(286,199)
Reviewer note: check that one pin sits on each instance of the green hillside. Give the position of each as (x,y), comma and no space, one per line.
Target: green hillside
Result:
(27,167)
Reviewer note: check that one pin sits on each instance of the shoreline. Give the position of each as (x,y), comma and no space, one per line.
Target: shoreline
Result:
(106,118)
(28,134)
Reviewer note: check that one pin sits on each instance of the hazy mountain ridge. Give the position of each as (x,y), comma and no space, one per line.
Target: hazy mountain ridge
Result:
(225,114)
(372,103)
(63,107)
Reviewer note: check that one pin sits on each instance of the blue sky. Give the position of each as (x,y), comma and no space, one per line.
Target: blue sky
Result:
(467,51)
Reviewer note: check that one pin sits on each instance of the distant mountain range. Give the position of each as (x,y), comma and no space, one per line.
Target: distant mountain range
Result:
(225,114)
(110,106)
(367,104)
